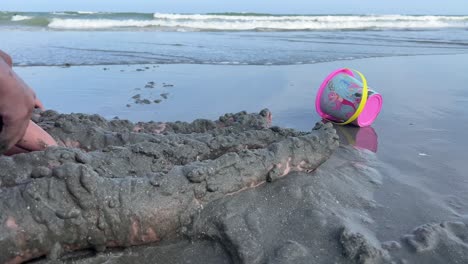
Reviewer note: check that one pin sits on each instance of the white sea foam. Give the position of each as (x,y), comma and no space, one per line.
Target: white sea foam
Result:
(62,13)
(20,18)
(59,23)
(246,22)
(86,12)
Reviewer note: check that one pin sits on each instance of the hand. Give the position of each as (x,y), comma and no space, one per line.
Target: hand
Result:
(17,101)
(35,139)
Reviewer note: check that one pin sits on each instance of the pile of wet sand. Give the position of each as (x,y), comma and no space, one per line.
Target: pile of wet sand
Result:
(232,190)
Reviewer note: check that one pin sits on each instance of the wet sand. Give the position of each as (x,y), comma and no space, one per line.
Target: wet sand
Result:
(360,206)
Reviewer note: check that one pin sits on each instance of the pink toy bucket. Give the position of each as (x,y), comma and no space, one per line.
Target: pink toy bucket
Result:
(344,98)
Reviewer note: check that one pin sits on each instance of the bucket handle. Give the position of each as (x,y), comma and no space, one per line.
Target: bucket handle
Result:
(362,104)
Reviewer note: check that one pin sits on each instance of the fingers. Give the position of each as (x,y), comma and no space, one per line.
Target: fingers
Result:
(11,133)
(15,150)
(35,138)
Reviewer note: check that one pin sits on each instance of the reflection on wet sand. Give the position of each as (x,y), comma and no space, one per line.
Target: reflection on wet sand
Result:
(360,137)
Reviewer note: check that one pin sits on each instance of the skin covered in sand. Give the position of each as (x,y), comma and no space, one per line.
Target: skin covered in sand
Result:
(72,202)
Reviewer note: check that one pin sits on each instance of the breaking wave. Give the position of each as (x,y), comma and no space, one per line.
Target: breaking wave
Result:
(20,18)
(249,22)
(234,21)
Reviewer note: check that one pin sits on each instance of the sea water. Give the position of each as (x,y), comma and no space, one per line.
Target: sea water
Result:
(89,38)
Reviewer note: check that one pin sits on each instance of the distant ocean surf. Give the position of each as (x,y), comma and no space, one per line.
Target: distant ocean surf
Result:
(225,21)
(90,38)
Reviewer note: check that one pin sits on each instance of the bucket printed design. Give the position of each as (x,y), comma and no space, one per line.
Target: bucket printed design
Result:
(344,98)
(341,97)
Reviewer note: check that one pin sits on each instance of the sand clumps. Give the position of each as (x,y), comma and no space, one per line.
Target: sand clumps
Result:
(135,188)
(233,190)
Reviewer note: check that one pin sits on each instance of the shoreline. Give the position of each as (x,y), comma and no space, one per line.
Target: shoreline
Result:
(192,76)
(245,64)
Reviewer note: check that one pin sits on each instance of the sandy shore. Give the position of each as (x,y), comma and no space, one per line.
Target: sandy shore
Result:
(394,204)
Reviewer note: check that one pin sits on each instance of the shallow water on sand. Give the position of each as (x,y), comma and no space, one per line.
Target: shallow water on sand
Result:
(39,47)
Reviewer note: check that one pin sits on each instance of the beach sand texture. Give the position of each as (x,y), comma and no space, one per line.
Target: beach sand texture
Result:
(240,188)
(405,202)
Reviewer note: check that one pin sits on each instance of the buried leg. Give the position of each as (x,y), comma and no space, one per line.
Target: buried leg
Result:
(235,122)
(91,132)
(78,209)
(154,154)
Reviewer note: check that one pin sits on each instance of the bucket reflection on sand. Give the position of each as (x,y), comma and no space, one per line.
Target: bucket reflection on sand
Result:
(360,137)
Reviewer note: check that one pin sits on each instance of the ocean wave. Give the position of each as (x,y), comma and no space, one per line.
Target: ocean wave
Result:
(20,18)
(64,13)
(308,18)
(86,12)
(265,22)
(231,21)
(58,23)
